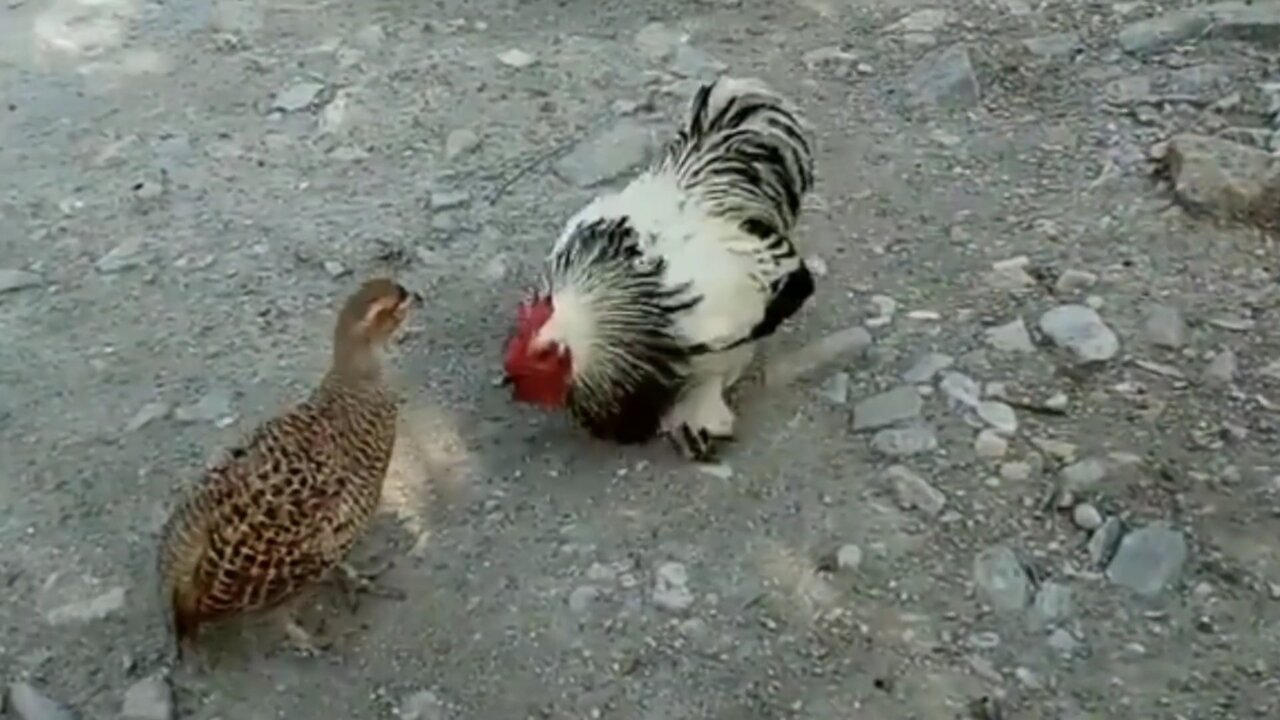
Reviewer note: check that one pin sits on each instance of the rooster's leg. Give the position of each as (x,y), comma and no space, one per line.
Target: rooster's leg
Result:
(699,420)
(356,582)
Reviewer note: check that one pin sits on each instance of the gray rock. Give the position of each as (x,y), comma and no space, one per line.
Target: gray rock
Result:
(27,703)
(1011,337)
(582,597)
(1053,603)
(914,492)
(1199,79)
(1001,578)
(1222,368)
(1257,23)
(999,416)
(422,705)
(912,439)
(1165,327)
(128,254)
(849,557)
(887,408)
(990,445)
(11,280)
(609,154)
(927,20)
(460,142)
(449,199)
(833,348)
(1074,281)
(335,269)
(1084,474)
(1166,30)
(297,97)
(961,389)
(944,78)
(1086,517)
(148,699)
(1148,560)
(1015,471)
(1058,46)
(1078,328)
(926,367)
(1271,371)
(836,388)
(1103,542)
(146,415)
(671,587)
(831,61)
(211,407)
(517,59)
(1223,178)
(81,611)
(1063,642)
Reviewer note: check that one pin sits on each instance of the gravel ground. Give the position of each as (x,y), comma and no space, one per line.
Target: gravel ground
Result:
(1047,488)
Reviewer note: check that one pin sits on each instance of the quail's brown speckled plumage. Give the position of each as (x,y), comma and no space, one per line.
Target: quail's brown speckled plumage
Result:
(283,508)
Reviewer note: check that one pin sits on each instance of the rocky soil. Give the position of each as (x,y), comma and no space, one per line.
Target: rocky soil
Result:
(1018,458)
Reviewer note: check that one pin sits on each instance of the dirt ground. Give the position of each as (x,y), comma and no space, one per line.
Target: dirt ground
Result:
(995,511)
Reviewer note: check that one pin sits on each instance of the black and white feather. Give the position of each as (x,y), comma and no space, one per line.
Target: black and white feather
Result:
(660,290)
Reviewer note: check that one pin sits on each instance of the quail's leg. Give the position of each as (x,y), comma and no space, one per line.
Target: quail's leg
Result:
(303,642)
(357,582)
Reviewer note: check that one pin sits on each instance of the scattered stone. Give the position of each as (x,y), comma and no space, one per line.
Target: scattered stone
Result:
(830,349)
(211,407)
(449,199)
(335,269)
(297,97)
(82,611)
(1223,178)
(1086,517)
(422,705)
(831,61)
(961,389)
(1128,90)
(1102,544)
(1163,31)
(1165,327)
(990,445)
(887,408)
(146,415)
(11,280)
(945,77)
(885,305)
(1222,368)
(1079,329)
(1272,370)
(1074,281)
(1015,471)
(516,58)
(1063,642)
(1148,559)
(1084,474)
(1058,46)
(999,416)
(836,388)
(922,21)
(1011,274)
(609,154)
(148,699)
(27,703)
(1058,449)
(1000,576)
(670,587)
(460,142)
(914,492)
(1234,324)
(916,437)
(1053,603)
(1057,402)
(1011,337)
(582,597)
(128,254)
(849,557)
(926,367)
(1257,23)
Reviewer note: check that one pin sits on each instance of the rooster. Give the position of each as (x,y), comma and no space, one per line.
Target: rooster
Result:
(655,295)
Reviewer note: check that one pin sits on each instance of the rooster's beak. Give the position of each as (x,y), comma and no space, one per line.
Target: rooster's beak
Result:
(506,381)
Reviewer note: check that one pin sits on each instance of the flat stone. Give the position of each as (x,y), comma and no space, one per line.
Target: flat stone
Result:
(990,445)
(887,408)
(1148,560)
(1000,416)
(836,347)
(82,611)
(1053,603)
(916,437)
(28,703)
(1223,178)
(146,415)
(1257,23)
(128,254)
(582,597)
(914,492)
(516,58)
(449,199)
(1063,642)
(148,699)
(927,20)
(1001,578)
(609,154)
(1086,517)
(297,97)
(1084,474)
(1080,329)
(1074,281)
(836,388)
(1058,46)
(460,142)
(1103,542)
(670,587)
(926,366)
(1011,337)
(832,61)
(1015,471)
(211,407)
(849,557)
(944,78)
(1222,368)
(961,389)
(11,280)
(422,705)
(1163,31)
(1165,327)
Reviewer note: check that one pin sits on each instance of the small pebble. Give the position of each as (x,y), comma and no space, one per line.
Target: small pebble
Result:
(1165,327)
(990,445)
(1074,281)
(11,280)
(849,557)
(999,416)
(1086,517)
(516,58)
(1016,471)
